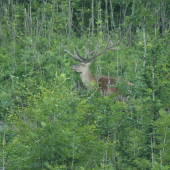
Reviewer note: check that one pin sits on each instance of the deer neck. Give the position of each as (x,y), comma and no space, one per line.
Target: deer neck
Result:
(87,77)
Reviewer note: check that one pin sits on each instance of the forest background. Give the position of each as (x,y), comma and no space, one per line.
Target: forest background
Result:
(47,122)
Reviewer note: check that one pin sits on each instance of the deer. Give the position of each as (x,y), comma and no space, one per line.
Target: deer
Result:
(107,84)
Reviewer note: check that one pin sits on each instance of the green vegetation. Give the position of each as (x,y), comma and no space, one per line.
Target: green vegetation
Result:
(45,123)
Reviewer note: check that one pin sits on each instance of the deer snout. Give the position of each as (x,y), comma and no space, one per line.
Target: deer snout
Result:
(72,68)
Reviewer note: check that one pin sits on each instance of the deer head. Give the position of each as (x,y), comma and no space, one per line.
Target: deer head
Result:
(81,67)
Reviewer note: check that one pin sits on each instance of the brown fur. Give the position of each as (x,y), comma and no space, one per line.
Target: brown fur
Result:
(105,84)
(108,85)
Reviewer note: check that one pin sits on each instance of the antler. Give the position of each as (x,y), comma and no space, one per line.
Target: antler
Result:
(107,47)
(94,53)
(74,56)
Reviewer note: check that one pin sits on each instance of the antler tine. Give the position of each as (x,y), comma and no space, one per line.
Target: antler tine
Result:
(74,56)
(93,52)
(76,52)
(111,47)
(105,49)
(90,53)
(79,58)
(87,51)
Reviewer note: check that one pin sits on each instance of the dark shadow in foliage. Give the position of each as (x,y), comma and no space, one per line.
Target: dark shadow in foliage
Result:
(80,88)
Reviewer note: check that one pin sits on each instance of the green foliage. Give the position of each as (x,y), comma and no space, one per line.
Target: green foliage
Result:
(51,129)
(45,124)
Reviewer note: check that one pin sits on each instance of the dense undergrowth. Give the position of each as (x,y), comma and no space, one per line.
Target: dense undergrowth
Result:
(47,123)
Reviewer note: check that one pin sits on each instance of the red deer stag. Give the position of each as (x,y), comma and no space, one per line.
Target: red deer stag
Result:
(107,85)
